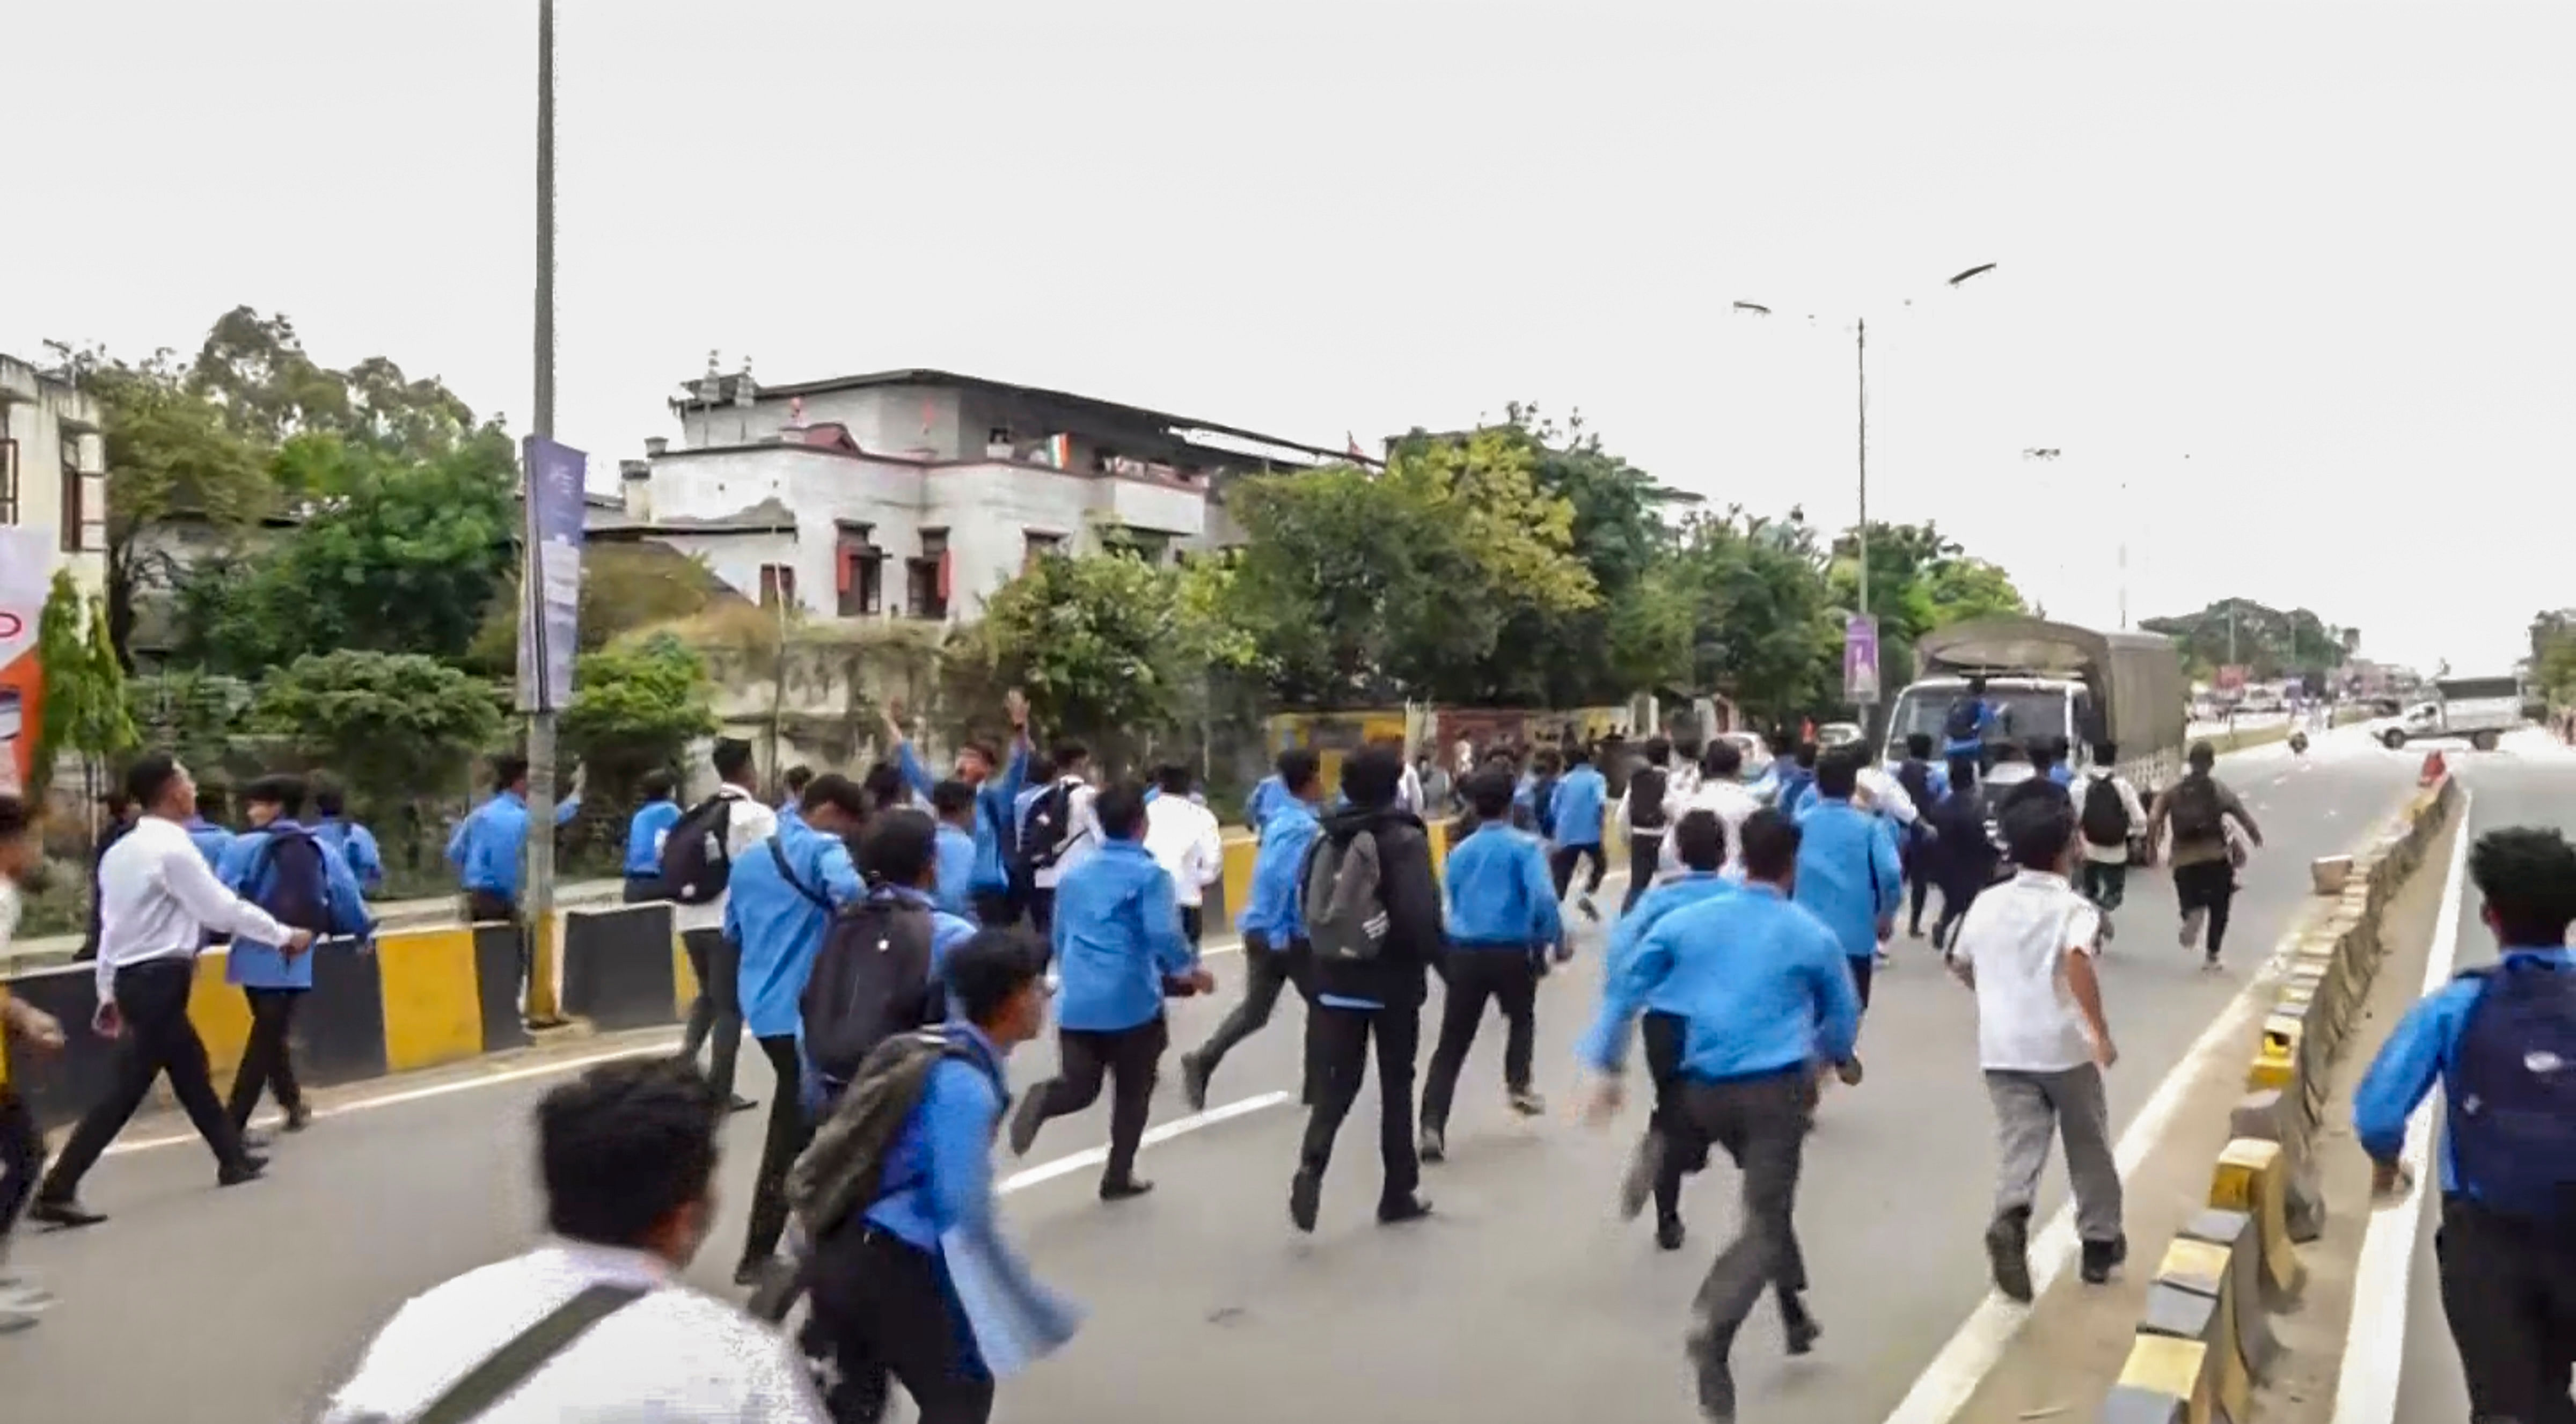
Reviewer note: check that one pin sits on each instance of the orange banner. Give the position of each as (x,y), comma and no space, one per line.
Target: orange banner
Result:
(26,567)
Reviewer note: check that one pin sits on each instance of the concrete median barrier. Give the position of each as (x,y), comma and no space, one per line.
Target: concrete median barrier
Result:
(2206,1335)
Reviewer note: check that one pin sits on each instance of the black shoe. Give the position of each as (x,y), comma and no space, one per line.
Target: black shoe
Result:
(1801,1330)
(1528,1103)
(1590,911)
(1644,1166)
(1432,1146)
(1716,1377)
(1025,1122)
(254,1141)
(2101,1258)
(1850,1071)
(1305,1196)
(249,1168)
(2008,1253)
(298,1118)
(741,1104)
(1412,1207)
(1194,1081)
(752,1273)
(1669,1233)
(64,1215)
(1123,1191)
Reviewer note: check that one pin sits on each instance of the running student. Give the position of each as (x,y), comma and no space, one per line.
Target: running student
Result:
(1764,997)
(1646,815)
(2500,1040)
(2197,809)
(1925,785)
(2110,816)
(988,878)
(22,1147)
(1503,923)
(1581,798)
(1671,1148)
(1964,857)
(1847,874)
(1273,926)
(2027,948)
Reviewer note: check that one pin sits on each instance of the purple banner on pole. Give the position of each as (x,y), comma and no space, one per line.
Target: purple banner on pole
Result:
(550,600)
(1860,659)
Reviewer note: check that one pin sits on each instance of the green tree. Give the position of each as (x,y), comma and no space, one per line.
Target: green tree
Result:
(399,728)
(2269,642)
(1965,588)
(1766,632)
(635,707)
(84,708)
(1108,647)
(625,589)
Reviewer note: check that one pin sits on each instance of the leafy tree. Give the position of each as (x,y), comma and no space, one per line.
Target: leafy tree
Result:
(1767,636)
(625,589)
(1107,646)
(398,726)
(2269,642)
(636,707)
(396,555)
(1965,588)
(254,368)
(84,706)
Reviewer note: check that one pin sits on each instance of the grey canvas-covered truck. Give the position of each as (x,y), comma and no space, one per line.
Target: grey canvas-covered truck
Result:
(2055,680)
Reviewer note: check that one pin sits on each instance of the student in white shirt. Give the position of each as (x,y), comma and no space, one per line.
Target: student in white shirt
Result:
(2107,836)
(593,1326)
(158,902)
(1185,839)
(1722,793)
(716,1017)
(2027,947)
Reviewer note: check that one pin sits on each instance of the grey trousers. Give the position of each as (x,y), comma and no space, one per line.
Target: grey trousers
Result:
(2070,1101)
(1762,1124)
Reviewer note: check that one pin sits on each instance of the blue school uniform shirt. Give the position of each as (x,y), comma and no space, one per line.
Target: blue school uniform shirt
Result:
(1273,908)
(210,839)
(1117,936)
(1499,893)
(1270,794)
(1759,983)
(244,871)
(2423,1050)
(357,845)
(486,845)
(1847,873)
(998,813)
(956,862)
(1580,796)
(780,924)
(644,836)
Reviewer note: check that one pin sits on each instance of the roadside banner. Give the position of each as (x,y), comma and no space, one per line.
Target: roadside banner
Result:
(26,571)
(1860,660)
(549,612)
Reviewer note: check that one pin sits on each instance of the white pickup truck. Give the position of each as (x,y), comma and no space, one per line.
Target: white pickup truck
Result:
(2481,709)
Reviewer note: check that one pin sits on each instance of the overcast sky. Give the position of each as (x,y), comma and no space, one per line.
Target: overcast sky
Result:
(2288,284)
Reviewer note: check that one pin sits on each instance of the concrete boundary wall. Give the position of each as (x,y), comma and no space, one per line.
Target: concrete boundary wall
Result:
(2206,1338)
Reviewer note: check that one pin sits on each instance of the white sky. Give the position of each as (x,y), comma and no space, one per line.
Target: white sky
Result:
(2322,250)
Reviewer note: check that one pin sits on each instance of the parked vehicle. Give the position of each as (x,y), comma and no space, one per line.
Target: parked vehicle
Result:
(2482,709)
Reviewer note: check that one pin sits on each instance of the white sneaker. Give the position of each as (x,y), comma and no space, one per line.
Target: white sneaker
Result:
(2191,928)
(24,1288)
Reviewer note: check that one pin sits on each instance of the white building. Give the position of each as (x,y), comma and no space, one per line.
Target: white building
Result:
(53,469)
(917,493)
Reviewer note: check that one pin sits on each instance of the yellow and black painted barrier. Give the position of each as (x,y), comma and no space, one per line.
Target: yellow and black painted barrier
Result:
(2206,1338)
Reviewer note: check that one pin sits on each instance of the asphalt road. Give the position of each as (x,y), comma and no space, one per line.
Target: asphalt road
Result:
(1521,1300)
(2530,781)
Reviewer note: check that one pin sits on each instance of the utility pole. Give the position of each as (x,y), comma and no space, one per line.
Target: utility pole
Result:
(1860,355)
(2124,556)
(2231,632)
(538,904)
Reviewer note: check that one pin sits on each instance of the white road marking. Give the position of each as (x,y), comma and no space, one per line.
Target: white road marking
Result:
(2374,1353)
(1073,1162)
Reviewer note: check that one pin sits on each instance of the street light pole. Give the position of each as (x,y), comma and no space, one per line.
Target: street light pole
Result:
(539,903)
(1860,355)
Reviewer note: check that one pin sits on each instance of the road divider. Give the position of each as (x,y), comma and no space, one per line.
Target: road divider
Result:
(2206,1337)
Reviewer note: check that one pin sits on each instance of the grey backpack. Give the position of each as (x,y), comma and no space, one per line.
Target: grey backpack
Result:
(1346,920)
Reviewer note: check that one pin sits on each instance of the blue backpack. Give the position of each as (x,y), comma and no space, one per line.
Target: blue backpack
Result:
(2513,1092)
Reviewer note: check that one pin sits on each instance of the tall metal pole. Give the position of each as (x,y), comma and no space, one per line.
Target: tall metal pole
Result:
(1860,353)
(539,903)
(2124,556)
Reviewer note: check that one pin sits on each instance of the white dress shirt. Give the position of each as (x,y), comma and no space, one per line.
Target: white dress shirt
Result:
(749,821)
(1184,838)
(1733,803)
(674,1356)
(158,899)
(2016,937)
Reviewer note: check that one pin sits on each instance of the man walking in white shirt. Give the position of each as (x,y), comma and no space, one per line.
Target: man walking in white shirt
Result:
(158,902)
(2027,947)
(1185,839)
(593,1327)
(737,819)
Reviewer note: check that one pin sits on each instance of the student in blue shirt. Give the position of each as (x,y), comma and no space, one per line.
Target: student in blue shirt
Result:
(887,1303)
(1925,784)
(487,845)
(2499,1041)
(952,805)
(206,828)
(1671,1148)
(1502,924)
(997,787)
(1581,798)
(1272,923)
(781,895)
(355,843)
(1967,723)
(1794,778)
(1118,946)
(793,782)
(272,979)
(645,833)
(1847,872)
(1272,793)
(1765,999)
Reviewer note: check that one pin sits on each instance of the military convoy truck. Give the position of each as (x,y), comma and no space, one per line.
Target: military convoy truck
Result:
(2055,680)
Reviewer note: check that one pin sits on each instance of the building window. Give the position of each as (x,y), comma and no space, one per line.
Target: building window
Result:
(862,581)
(777,586)
(926,577)
(8,482)
(1039,546)
(75,510)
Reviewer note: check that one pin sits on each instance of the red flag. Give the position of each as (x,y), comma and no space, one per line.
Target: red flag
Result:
(1353,442)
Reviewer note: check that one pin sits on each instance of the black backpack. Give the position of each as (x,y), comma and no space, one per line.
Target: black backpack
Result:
(2513,1093)
(1646,799)
(1048,832)
(2195,812)
(697,864)
(870,982)
(2106,816)
(293,882)
(1961,725)
(1346,919)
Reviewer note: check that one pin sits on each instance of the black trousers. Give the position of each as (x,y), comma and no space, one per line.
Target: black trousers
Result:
(267,1064)
(2510,1293)
(789,1131)
(1193,924)
(1042,910)
(882,1315)
(1762,1125)
(1337,1048)
(716,1014)
(2210,887)
(1863,968)
(1959,890)
(153,999)
(1918,877)
(22,1157)
(1508,977)
(996,909)
(1562,864)
(2106,883)
(1645,857)
(1129,1058)
(1667,1039)
(1266,972)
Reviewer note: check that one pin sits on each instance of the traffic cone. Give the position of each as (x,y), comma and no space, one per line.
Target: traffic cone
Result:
(2434,768)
